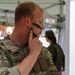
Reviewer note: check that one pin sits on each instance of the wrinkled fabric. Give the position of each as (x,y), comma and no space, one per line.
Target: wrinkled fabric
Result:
(17,55)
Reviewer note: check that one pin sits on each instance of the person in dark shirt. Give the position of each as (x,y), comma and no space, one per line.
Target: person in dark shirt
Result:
(55,50)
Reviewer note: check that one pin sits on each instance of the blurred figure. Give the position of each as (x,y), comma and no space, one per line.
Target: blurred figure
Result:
(55,50)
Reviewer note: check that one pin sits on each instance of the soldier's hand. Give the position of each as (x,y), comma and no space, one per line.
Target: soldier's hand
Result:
(34,45)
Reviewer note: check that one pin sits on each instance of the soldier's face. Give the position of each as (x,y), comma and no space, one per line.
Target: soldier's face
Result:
(37,20)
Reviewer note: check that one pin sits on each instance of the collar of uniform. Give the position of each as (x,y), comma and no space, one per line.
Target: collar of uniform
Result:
(9,44)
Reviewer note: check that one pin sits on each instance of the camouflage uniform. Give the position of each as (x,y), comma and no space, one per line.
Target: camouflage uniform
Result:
(17,55)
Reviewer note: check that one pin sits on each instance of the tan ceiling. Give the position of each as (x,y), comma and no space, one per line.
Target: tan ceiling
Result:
(51,7)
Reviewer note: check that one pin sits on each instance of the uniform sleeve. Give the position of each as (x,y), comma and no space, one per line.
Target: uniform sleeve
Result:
(9,71)
(5,68)
(52,68)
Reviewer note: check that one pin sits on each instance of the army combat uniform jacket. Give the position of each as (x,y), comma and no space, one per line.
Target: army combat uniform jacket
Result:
(11,55)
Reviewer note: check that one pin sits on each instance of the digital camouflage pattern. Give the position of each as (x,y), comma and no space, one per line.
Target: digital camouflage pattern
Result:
(17,55)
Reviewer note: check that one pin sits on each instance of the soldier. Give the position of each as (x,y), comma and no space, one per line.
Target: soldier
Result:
(22,53)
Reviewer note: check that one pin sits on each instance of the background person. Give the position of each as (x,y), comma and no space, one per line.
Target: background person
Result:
(55,50)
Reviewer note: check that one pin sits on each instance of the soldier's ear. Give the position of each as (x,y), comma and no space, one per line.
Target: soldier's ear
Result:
(27,21)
